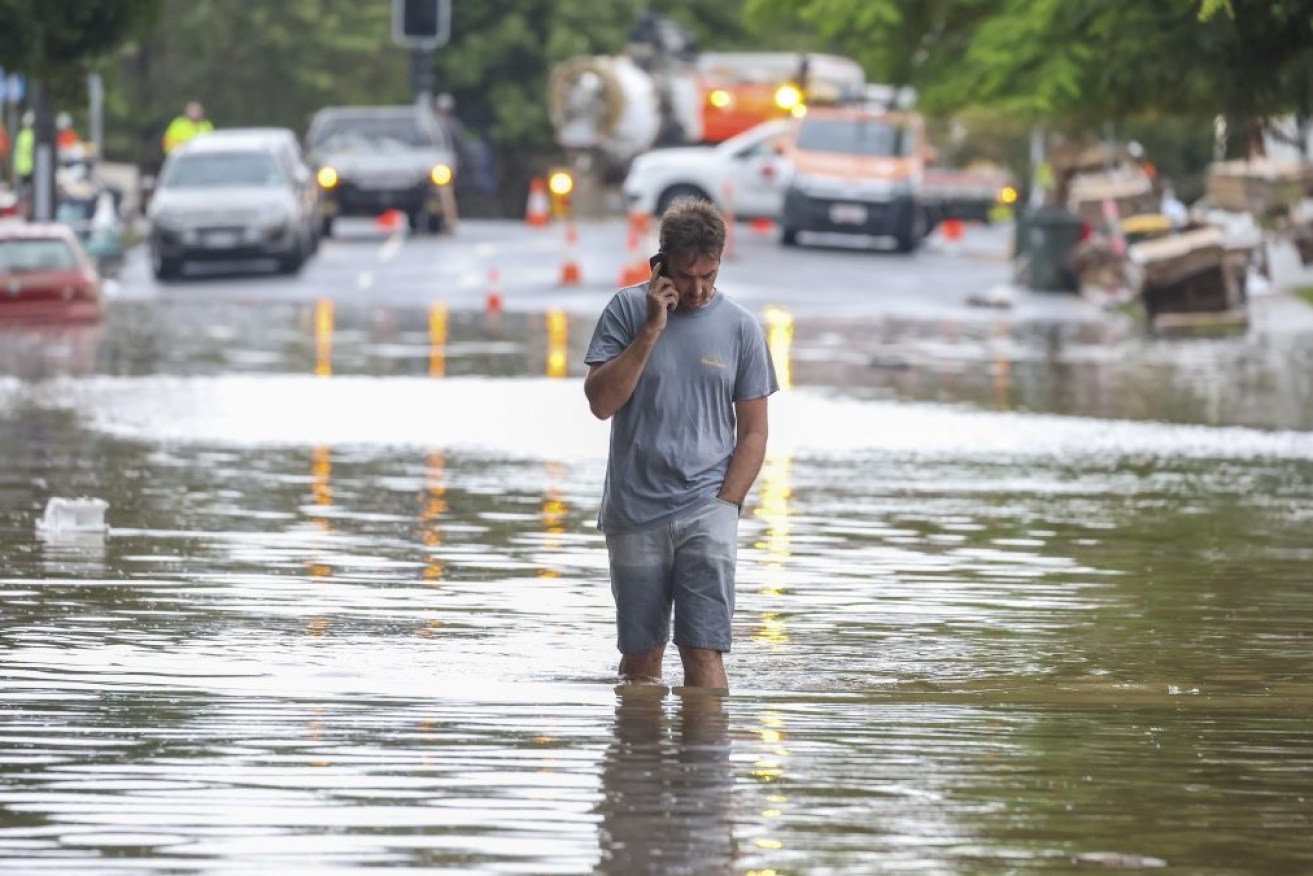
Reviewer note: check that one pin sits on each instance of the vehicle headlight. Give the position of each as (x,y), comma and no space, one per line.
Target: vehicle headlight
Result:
(440,174)
(327,177)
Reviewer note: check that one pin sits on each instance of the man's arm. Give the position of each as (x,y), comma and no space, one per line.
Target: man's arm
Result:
(610,384)
(749,450)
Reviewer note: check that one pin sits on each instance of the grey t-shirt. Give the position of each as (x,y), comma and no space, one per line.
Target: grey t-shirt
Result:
(671,442)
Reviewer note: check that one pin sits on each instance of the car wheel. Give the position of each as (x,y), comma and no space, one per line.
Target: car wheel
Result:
(292,262)
(788,236)
(326,227)
(909,237)
(435,223)
(681,191)
(163,267)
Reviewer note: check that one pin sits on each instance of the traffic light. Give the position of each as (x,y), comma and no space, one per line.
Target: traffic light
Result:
(421,23)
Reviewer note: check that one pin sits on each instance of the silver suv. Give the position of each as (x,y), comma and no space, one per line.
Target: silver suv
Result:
(231,196)
(369,160)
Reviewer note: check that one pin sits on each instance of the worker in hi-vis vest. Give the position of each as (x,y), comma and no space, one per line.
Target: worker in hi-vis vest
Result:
(190,124)
(25,151)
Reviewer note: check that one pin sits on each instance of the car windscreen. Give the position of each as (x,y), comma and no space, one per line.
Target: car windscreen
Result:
(366,134)
(25,256)
(856,137)
(204,170)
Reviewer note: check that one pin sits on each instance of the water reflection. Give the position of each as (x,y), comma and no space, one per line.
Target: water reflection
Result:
(779,340)
(668,785)
(768,772)
(554,515)
(774,509)
(1095,368)
(433,508)
(437,339)
(1002,365)
(73,553)
(558,343)
(324,337)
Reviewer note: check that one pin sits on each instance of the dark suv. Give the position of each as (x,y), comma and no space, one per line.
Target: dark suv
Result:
(369,160)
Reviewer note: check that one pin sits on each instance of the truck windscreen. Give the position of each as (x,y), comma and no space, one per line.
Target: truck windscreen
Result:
(871,137)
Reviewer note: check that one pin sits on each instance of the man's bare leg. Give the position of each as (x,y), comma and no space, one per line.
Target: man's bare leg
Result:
(703,667)
(642,668)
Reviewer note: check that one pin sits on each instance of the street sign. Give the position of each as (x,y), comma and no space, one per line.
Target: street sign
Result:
(12,87)
(421,24)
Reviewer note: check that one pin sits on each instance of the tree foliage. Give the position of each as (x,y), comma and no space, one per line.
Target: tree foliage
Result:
(56,42)
(1081,61)
(252,62)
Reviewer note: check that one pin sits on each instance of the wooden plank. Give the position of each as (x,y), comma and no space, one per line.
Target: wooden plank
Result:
(1192,323)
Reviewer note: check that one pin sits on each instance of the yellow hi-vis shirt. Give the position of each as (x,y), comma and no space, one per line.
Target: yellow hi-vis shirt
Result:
(182,129)
(24,152)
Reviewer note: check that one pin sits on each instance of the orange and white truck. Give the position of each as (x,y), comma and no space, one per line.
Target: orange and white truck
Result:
(612,108)
(857,170)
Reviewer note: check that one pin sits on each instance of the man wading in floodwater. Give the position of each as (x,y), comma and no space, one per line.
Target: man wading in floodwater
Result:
(686,373)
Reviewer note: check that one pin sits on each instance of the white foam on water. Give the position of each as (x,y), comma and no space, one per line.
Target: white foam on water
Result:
(540,418)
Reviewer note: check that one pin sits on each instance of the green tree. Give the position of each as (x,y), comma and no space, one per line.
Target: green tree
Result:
(57,42)
(899,42)
(250,62)
(1081,61)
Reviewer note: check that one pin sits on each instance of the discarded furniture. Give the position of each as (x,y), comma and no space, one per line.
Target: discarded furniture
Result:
(1191,280)
(1262,187)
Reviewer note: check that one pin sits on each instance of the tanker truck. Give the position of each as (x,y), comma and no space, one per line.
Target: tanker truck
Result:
(608,109)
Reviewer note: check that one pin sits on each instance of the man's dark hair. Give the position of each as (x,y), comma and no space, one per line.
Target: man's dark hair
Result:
(692,227)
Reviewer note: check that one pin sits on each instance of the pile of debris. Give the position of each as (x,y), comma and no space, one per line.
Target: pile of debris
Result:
(1261,187)
(1190,270)
(1191,279)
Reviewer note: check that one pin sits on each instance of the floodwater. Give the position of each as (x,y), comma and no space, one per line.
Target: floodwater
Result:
(1012,599)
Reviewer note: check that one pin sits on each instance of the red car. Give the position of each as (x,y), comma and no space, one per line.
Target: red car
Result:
(45,275)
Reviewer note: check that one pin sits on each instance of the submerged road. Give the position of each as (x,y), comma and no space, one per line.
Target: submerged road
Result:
(1021,590)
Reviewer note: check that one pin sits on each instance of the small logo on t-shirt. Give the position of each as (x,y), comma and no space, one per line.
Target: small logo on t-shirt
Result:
(713,362)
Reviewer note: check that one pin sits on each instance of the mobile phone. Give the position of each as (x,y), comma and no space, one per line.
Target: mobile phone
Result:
(659,259)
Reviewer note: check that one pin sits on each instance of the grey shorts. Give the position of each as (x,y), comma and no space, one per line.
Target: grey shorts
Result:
(687,564)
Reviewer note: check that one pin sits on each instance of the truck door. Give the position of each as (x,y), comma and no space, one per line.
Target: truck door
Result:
(759,174)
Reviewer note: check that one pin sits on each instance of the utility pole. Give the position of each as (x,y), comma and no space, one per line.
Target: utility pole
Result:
(43,167)
(421,75)
(96,106)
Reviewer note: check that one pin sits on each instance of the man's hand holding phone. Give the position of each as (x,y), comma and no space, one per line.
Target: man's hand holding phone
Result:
(662,296)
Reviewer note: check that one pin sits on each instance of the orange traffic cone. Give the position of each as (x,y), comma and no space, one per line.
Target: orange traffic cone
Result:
(763,226)
(492,303)
(570,273)
(641,222)
(391,220)
(636,269)
(536,213)
(951,229)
